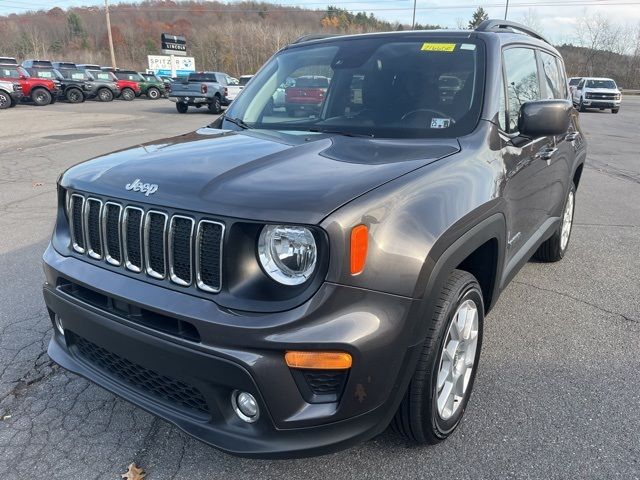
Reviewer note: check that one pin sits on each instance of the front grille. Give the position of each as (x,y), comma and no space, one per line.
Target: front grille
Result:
(163,247)
(147,381)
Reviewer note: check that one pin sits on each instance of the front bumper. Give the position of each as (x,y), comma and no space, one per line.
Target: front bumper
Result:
(236,352)
(597,103)
(16,96)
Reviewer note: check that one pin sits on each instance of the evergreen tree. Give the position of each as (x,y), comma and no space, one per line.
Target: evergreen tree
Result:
(478,17)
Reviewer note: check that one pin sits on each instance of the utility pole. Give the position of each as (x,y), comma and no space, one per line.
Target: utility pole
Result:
(413,22)
(506,10)
(113,55)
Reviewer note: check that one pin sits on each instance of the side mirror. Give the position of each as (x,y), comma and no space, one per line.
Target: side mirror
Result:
(541,118)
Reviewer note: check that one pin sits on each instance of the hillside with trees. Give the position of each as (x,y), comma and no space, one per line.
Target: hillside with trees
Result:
(239,37)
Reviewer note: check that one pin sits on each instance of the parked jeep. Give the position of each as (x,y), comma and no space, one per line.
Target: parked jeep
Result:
(40,91)
(281,285)
(10,94)
(152,86)
(70,89)
(201,88)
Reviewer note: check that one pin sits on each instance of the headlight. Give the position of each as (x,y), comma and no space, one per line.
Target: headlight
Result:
(287,253)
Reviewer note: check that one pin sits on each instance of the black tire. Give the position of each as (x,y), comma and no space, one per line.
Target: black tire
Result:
(216,105)
(153,93)
(104,95)
(581,106)
(5,100)
(418,418)
(13,103)
(128,94)
(552,250)
(74,95)
(41,96)
(182,107)
(615,110)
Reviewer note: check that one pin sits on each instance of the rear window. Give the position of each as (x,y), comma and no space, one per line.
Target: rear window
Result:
(601,84)
(312,82)
(202,77)
(243,80)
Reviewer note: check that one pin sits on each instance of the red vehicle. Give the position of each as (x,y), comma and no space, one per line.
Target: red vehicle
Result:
(306,94)
(128,88)
(41,91)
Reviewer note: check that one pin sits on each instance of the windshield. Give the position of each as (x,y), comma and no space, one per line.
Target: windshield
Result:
(100,75)
(12,72)
(132,76)
(74,74)
(383,86)
(610,84)
(46,73)
(574,81)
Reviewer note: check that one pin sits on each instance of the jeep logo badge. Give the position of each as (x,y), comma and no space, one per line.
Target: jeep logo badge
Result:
(138,186)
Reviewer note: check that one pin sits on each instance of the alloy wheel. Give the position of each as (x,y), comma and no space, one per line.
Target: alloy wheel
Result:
(567,221)
(457,359)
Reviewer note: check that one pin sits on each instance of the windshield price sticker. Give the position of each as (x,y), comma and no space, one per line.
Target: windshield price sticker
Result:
(440,122)
(438,47)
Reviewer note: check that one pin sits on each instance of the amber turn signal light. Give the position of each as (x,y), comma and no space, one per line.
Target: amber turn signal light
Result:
(318,360)
(359,247)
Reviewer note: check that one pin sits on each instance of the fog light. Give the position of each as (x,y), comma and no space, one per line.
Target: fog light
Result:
(245,406)
(58,323)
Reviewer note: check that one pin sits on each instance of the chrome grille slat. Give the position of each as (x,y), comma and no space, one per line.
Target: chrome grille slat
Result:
(155,243)
(181,250)
(112,237)
(76,214)
(209,240)
(91,218)
(132,238)
(174,248)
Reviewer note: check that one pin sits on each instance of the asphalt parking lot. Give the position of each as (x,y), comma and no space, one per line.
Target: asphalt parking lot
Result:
(558,387)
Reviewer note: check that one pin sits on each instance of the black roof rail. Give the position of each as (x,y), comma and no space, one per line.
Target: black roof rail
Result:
(313,36)
(493,25)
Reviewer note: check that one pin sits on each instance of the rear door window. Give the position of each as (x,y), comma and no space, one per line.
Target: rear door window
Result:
(522,82)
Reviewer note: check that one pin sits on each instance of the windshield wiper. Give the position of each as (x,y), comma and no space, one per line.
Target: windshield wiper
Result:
(238,122)
(340,132)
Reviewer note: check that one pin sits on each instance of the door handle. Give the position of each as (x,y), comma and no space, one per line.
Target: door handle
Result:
(572,136)
(546,153)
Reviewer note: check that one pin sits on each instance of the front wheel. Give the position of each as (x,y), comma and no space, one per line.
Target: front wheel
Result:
(128,94)
(555,247)
(581,106)
(74,95)
(182,107)
(442,382)
(105,95)
(615,110)
(153,93)
(41,96)
(215,106)
(5,100)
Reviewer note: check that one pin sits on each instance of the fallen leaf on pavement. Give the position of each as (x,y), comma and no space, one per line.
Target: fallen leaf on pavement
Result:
(134,473)
(37,184)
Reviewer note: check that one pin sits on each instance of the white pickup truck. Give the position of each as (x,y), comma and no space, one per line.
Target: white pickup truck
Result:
(236,86)
(601,93)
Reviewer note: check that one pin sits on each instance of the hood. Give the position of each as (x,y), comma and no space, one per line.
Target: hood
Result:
(262,176)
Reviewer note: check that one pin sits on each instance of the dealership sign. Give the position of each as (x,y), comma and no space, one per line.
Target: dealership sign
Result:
(161,64)
(173,44)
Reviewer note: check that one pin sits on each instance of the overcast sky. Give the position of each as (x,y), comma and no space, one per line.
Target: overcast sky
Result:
(556,18)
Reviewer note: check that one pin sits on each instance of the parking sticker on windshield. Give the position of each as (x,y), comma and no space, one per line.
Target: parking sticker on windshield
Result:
(440,122)
(438,47)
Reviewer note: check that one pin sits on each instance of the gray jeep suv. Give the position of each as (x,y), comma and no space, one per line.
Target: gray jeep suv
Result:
(288,283)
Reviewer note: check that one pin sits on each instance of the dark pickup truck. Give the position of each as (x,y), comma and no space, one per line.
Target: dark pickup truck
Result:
(283,285)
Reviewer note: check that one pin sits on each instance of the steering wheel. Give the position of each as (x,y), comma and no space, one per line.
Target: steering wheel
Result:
(435,113)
